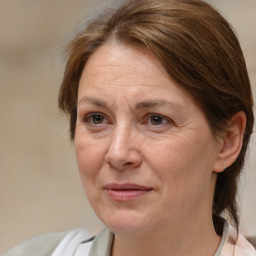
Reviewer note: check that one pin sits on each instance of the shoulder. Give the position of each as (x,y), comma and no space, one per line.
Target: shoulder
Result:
(40,245)
(237,244)
(244,247)
(79,243)
(72,241)
(76,242)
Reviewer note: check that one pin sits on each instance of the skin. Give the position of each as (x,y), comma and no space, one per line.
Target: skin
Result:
(135,125)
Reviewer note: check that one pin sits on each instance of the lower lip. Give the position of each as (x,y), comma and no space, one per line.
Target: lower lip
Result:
(126,195)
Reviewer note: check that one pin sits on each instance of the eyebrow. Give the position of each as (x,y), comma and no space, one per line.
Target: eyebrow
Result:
(140,105)
(94,101)
(156,102)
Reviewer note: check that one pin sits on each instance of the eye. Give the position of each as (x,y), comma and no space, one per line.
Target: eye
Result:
(156,120)
(95,119)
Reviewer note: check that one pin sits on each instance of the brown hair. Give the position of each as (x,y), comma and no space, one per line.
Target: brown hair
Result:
(198,49)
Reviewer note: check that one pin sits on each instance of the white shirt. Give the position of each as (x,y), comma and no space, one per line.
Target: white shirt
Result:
(76,244)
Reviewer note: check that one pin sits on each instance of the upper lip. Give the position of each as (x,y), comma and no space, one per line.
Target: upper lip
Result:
(126,186)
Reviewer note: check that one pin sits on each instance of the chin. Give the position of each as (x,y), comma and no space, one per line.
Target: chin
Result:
(126,222)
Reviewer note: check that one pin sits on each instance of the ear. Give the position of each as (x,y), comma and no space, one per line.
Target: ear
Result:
(231,142)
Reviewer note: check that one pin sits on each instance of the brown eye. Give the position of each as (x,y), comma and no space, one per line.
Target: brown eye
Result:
(157,120)
(97,119)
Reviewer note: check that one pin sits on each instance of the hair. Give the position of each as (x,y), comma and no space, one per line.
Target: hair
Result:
(199,50)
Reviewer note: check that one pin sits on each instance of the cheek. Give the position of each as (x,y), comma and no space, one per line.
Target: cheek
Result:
(89,154)
(168,155)
(181,163)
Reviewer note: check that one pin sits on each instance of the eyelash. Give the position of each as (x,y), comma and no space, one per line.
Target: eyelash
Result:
(91,116)
(160,117)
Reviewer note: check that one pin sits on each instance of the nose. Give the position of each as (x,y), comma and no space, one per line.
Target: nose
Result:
(123,152)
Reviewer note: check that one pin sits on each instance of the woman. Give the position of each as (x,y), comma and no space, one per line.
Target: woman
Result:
(160,111)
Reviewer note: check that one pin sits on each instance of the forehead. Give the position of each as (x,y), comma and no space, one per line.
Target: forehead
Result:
(120,66)
(115,61)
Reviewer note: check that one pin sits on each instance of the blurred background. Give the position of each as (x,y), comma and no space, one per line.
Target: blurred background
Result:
(40,190)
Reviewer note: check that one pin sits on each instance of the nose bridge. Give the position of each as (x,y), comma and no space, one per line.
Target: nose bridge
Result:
(121,139)
(122,151)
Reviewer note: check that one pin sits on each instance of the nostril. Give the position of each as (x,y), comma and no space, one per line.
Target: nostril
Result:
(120,166)
(123,159)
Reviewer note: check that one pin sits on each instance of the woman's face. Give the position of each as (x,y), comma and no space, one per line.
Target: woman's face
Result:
(145,151)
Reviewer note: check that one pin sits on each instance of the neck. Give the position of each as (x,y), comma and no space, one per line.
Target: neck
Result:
(190,237)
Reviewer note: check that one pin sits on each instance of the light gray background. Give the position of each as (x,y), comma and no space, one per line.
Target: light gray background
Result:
(40,190)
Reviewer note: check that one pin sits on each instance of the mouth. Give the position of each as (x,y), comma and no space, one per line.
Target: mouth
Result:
(126,192)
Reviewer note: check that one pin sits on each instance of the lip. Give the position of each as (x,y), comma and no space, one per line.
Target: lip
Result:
(126,192)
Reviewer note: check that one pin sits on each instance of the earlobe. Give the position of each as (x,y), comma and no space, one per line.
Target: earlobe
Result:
(232,142)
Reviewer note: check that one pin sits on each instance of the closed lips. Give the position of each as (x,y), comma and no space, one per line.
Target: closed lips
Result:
(126,192)
(126,186)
